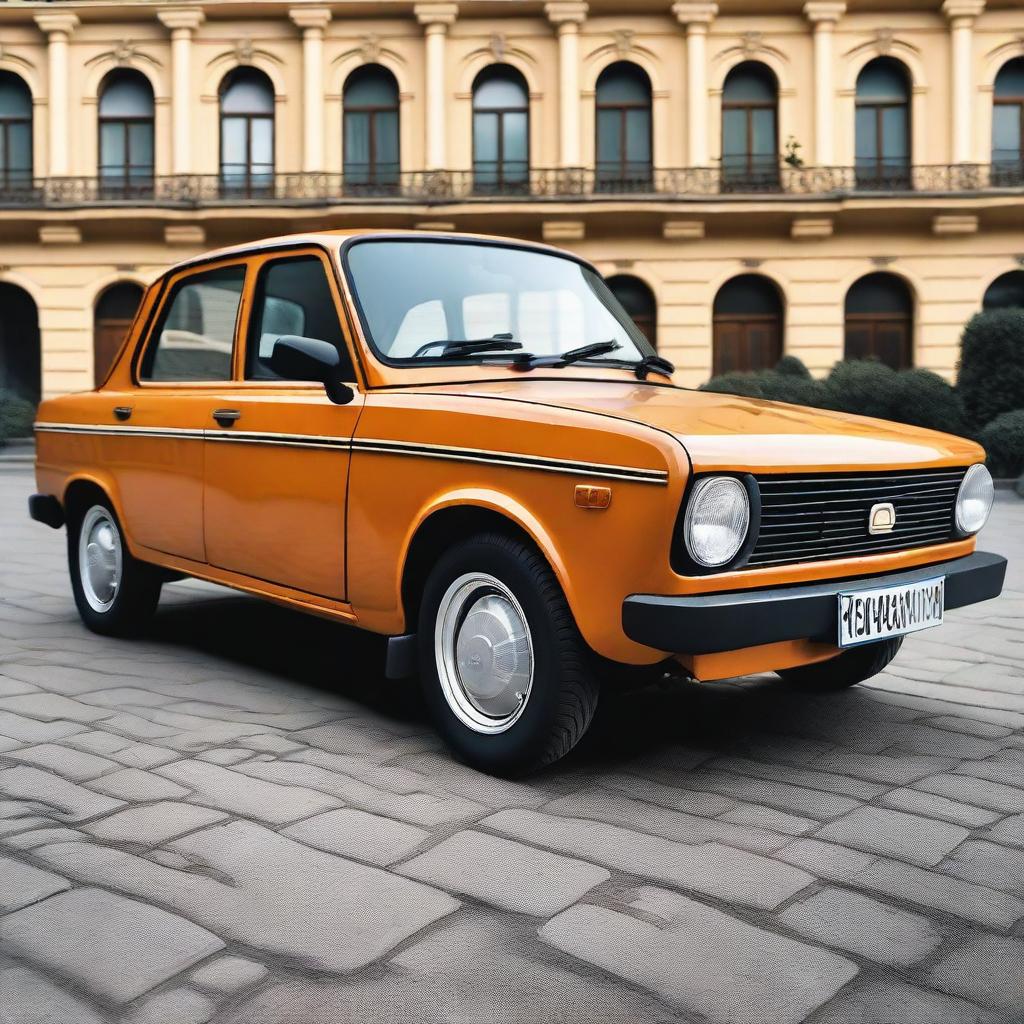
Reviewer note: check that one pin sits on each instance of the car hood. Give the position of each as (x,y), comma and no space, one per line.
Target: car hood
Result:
(729,432)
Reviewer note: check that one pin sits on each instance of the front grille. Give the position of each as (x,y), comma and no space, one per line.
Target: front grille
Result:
(822,516)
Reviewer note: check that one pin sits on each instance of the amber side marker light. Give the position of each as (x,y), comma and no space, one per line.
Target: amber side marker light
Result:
(593,497)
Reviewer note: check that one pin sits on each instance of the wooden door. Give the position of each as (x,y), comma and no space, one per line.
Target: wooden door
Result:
(746,343)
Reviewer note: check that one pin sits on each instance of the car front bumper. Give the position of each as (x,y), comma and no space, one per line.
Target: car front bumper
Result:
(715,623)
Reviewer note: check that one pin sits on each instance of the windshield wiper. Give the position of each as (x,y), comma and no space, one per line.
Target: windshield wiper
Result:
(653,363)
(451,348)
(527,361)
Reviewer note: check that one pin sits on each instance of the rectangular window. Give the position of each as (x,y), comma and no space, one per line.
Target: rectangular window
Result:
(293,296)
(194,337)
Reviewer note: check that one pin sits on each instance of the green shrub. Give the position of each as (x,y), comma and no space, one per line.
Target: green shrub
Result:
(791,366)
(990,377)
(1003,440)
(865,387)
(924,399)
(16,416)
(746,384)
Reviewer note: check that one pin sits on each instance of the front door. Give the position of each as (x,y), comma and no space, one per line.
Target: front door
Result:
(277,452)
(155,447)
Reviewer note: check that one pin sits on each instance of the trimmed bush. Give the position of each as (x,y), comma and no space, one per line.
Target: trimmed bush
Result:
(746,384)
(865,387)
(991,373)
(16,416)
(792,367)
(924,399)
(1003,440)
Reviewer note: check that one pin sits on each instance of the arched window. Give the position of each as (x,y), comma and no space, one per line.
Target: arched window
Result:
(883,125)
(15,133)
(126,132)
(750,142)
(370,104)
(1008,124)
(747,325)
(247,131)
(501,130)
(638,301)
(114,313)
(20,364)
(623,128)
(1005,292)
(880,321)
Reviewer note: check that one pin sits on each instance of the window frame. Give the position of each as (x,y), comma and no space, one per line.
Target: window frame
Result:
(504,183)
(375,178)
(258,265)
(751,176)
(873,176)
(1008,171)
(126,183)
(171,286)
(604,180)
(249,186)
(9,178)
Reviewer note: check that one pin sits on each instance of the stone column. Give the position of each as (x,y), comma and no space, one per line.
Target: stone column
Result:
(823,15)
(435,18)
(696,17)
(567,16)
(312,21)
(961,15)
(182,22)
(58,28)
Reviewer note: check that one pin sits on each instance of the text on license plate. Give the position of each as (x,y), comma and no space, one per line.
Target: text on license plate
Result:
(867,615)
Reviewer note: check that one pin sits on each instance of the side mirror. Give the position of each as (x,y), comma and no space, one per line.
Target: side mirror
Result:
(297,358)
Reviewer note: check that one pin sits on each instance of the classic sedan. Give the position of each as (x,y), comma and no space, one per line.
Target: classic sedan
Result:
(464,444)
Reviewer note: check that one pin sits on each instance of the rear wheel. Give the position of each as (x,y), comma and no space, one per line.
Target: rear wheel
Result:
(505,672)
(116,594)
(846,669)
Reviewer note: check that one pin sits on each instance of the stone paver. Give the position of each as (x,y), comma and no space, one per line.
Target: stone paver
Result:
(113,947)
(277,798)
(910,837)
(710,868)
(22,884)
(359,834)
(861,925)
(505,874)
(702,960)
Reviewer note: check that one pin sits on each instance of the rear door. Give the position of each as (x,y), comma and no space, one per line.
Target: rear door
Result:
(277,452)
(155,449)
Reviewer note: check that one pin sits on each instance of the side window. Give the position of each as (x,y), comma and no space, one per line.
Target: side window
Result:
(195,334)
(292,297)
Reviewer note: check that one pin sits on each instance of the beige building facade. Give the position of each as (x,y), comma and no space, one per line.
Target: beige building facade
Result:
(757,176)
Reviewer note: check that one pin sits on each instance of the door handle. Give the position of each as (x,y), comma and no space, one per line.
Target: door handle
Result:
(123,412)
(225,417)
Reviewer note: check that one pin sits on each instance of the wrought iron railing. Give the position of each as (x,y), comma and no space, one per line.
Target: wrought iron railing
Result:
(541,184)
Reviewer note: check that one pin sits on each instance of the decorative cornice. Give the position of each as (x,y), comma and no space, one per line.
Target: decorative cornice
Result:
(181,17)
(824,11)
(310,17)
(436,13)
(561,12)
(694,12)
(66,23)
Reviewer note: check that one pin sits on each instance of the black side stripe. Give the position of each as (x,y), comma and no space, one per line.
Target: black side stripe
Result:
(374,446)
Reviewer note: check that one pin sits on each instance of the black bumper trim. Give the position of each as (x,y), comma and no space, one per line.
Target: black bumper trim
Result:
(713,623)
(45,508)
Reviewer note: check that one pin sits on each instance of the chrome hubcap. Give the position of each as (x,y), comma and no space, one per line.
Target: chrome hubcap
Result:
(100,558)
(484,653)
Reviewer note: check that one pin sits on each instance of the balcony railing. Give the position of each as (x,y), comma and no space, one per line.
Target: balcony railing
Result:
(541,184)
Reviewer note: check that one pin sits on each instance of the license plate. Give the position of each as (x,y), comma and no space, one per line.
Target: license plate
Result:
(869,615)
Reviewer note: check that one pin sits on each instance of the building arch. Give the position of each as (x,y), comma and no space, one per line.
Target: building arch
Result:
(878,319)
(1005,292)
(637,298)
(748,324)
(20,342)
(218,69)
(114,309)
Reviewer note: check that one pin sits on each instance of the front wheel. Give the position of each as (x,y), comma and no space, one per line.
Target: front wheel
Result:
(116,594)
(505,672)
(846,669)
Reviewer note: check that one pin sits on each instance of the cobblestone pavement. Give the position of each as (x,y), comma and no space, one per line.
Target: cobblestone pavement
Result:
(237,819)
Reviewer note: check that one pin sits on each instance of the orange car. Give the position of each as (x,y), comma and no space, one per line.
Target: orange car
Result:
(465,444)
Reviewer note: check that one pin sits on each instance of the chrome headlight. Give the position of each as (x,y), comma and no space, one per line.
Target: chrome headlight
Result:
(974,499)
(717,519)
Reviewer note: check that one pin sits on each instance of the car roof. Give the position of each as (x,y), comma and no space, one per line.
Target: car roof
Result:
(332,238)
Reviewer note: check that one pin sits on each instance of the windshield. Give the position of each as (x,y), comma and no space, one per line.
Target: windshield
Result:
(417,297)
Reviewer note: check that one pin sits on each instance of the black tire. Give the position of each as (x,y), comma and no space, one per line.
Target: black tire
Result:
(562,697)
(846,669)
(134,600)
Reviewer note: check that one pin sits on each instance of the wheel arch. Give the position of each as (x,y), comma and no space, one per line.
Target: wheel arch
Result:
(460,515)
(77,489)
